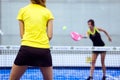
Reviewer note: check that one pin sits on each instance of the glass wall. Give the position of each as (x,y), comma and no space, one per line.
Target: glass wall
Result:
(70,13)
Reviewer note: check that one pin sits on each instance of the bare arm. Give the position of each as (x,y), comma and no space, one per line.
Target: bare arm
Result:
(86,35)
(21,24)
(109,38)
(50,29)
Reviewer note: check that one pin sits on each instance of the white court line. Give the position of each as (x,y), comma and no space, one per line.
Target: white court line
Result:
(111,77)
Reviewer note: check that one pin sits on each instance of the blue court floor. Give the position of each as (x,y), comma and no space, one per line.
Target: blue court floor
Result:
(64,74)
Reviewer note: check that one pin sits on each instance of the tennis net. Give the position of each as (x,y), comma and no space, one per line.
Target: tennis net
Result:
(66,61)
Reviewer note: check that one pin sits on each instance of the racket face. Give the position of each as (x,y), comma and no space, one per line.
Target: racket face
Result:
(76,36)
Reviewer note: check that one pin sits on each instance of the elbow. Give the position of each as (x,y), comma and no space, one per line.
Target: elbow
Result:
(105,32)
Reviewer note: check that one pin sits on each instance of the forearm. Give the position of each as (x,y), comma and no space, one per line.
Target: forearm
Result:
(107,34)
(100,29)
(50,32)
(50,29)
(50,37)
(85,37)
(109,38)
(21,34)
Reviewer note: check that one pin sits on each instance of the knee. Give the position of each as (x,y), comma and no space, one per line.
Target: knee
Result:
(93,62)
(102,62)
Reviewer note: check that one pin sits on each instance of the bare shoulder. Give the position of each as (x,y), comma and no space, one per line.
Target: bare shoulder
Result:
(99,28)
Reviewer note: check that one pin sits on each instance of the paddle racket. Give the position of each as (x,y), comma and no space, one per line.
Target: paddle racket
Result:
(76,36)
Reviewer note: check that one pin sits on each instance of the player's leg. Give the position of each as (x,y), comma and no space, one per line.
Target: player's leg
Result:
(17,72)
(103,64)
(45,63)
(94,57)
(47,73)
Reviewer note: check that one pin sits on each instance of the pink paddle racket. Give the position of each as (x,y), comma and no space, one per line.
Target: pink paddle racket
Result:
(76,36)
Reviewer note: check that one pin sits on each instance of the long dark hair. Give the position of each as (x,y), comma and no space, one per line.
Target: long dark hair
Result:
(92,22)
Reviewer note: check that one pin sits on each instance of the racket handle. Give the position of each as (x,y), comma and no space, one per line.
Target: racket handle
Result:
(85,37)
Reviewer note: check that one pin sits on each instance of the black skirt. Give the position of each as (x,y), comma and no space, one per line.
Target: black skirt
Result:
(29,56)
(98,52)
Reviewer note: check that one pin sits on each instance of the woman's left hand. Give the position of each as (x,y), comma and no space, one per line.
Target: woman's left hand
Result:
(109,39)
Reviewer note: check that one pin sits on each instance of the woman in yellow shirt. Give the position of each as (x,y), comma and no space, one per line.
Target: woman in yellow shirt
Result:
(36,30)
